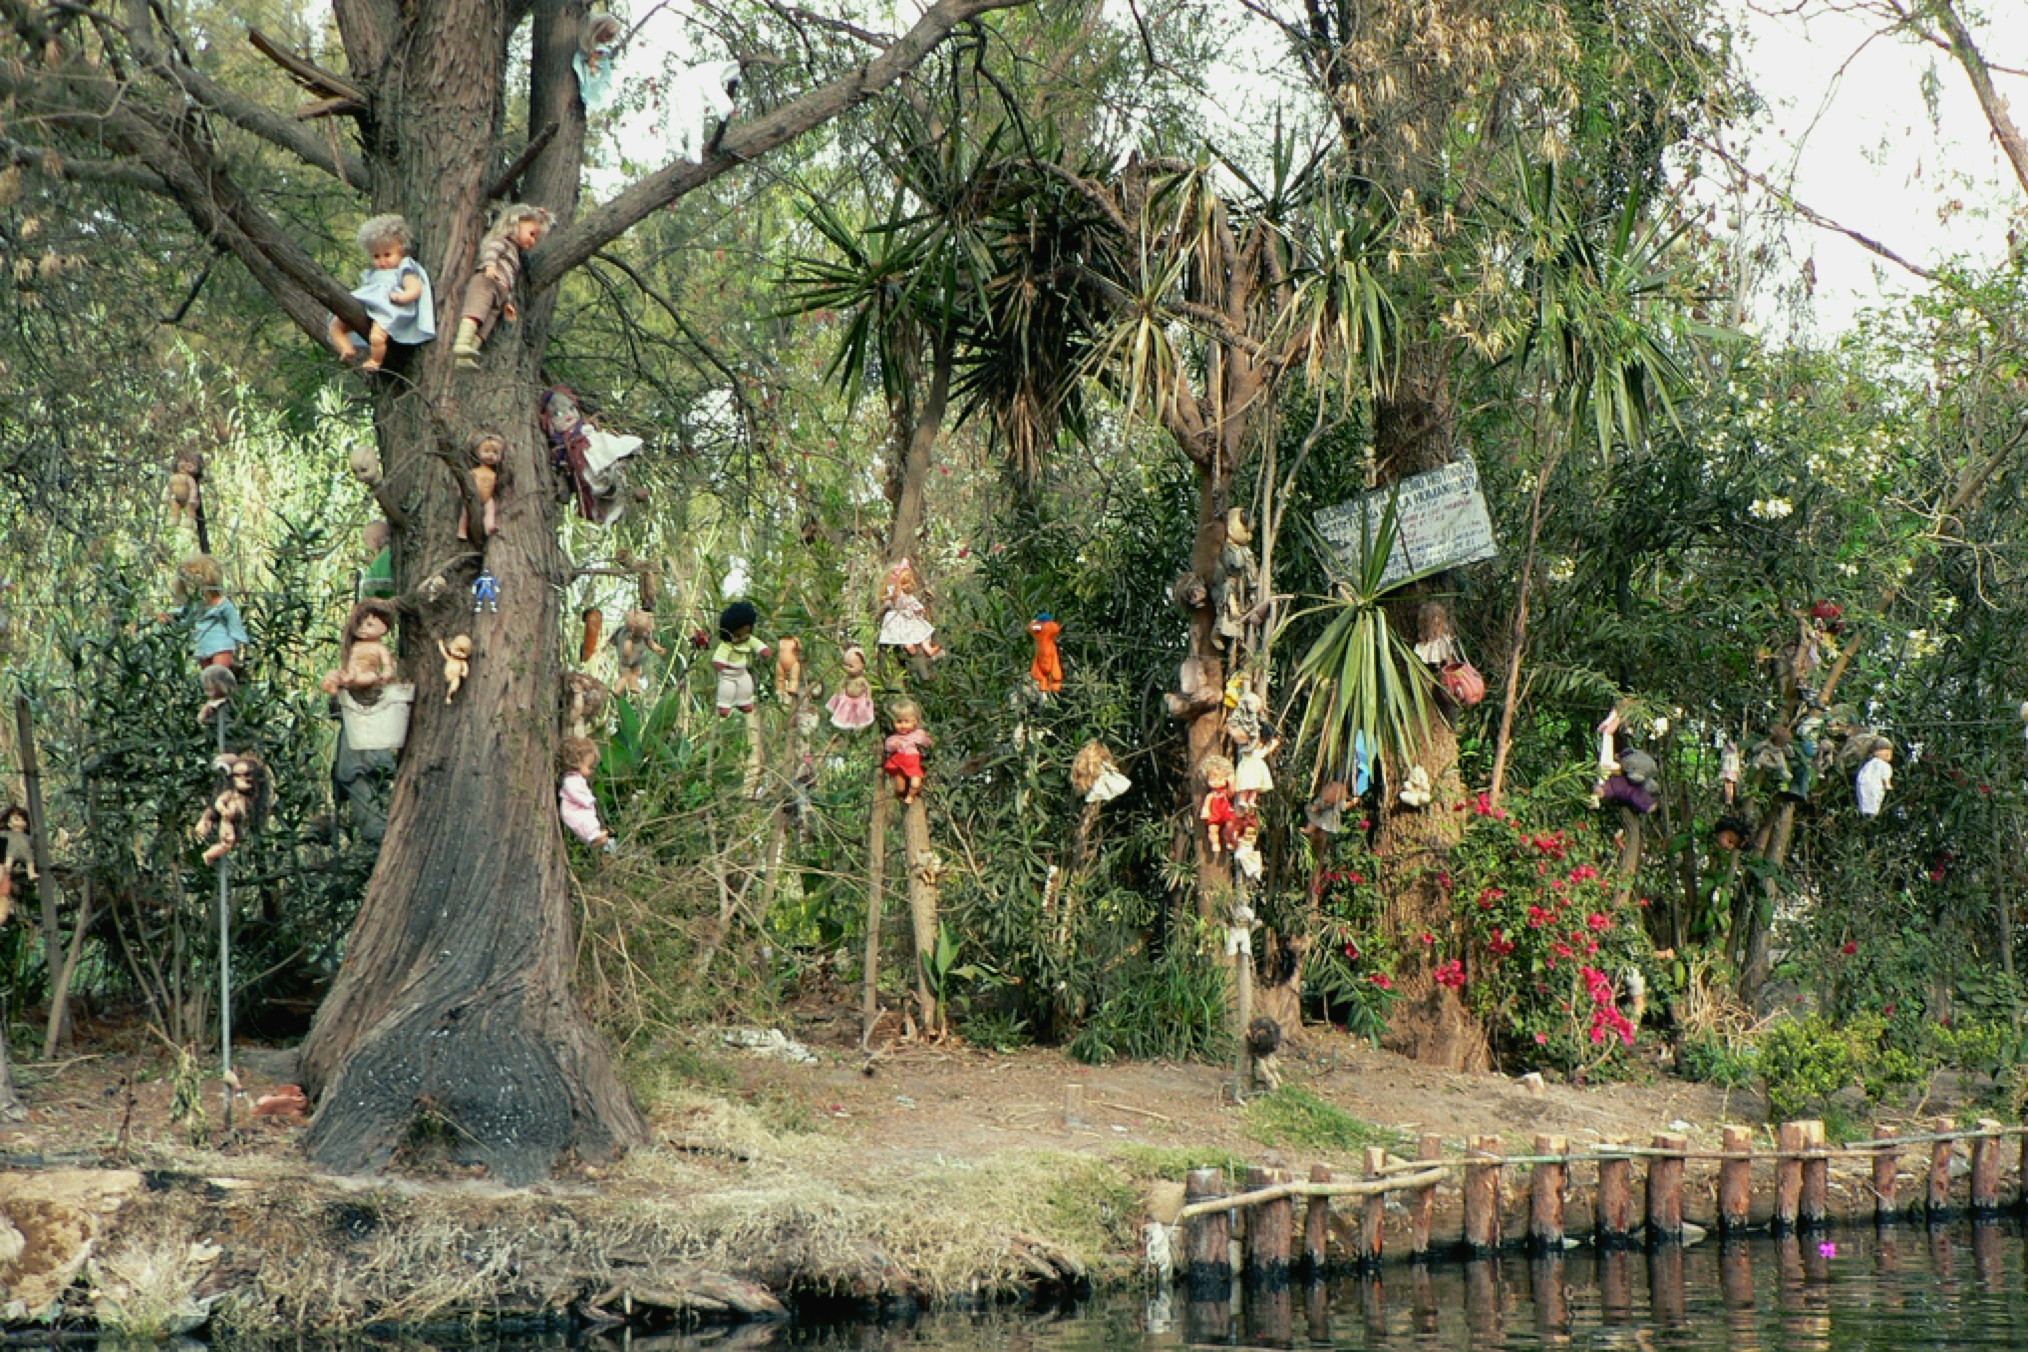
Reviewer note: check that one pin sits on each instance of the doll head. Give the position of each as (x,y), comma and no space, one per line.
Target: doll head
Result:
(386,240)
(1731,833)
(190,462)
(600,33)
(736,622)
(16,819)
(1235,528)
(640,623)
(460,647)
(1882,749)
(375,535)
(489,448)
(522,223)
(1217,772)
(247,775)
(199,575)
(855,661)
(578,755)
(370,622)
(907,715)
(1333,794)
(901,578)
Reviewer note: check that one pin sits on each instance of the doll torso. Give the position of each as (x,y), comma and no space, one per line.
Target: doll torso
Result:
(412,322)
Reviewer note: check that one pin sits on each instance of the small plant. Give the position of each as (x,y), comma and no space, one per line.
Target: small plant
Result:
(1710,1059)
(1172,1007)
(1174,1162)
(1804,1061)
(1297,1119)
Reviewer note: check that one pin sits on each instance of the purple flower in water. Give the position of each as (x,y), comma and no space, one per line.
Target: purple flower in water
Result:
(1827,1250)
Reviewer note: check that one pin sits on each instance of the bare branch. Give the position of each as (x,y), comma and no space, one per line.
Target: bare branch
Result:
(126,173)
(503,182)
(308,74)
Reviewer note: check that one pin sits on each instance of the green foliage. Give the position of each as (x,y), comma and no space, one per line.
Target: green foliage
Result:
(1150,1162)
(1806,1060)
(1172,1007)
(1708,1059)
(1295,1119)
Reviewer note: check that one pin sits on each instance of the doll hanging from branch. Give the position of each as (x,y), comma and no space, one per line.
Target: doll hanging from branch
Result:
(788,668)
(186,487)
(1875,777)
(1254,740)
(365,662)
(216,631)
(487,452)
(489,295)
(1238,579)
(1216,811)
(593,60)
(904,747)
(904,619)
(1096,776)
(698,94)
(395,292)
(240,807)
(734,656)
(852,707)
(632,645)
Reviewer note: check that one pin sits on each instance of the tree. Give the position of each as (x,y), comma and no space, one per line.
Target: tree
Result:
(452,1004)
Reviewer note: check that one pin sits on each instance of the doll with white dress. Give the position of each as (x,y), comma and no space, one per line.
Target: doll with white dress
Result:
(1875,778)
(395,292)
(579,756)
(904,620)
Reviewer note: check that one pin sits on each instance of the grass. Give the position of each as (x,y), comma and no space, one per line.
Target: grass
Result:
(1296,1119)
(1150,1163)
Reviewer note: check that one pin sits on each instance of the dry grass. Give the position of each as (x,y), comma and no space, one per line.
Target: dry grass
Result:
(145,1286)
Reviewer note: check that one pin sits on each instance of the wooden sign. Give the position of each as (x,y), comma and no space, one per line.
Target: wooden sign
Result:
(1440,522)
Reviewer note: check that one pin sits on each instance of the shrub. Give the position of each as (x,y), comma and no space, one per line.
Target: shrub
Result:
(1297,1119)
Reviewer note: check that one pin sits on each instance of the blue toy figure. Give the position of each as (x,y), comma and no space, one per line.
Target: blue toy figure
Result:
(486,592)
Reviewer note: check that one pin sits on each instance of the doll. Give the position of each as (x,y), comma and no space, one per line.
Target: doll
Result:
(220,684)
(1250,776)
(594,625)
(904,622)
(216,632)
(1246,848)
(852,707)
(634,642)
(1436,636)
(1238,576)
(1634,783)
(789,668)
(395,292)
(1047,669)
(365,464)
(184,500)
(701,92)
(579,756)
(1096,775)
(585,702)
(1728,771)
(904,747)
(1216,809)
(1875,778)
(733,658)
(240,807)
(376,579)
(486,453)
(1415,789)
(457,663)
(489,295)
(364,661)
(1731,833)
(19,863)
(486,592)
(1324,817)
(593,60)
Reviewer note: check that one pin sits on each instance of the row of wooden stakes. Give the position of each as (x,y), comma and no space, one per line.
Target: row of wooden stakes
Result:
(1801,1198)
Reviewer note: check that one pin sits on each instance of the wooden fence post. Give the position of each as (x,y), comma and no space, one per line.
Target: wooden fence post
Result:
(1886,1165)
(1986,1169)
(1374,1214)
(1545,1197)
(1422,1205)
(1735,1183)
(1615,1219)
(1317,1227)
(1665,1191)
(1816,1203)
(1937,1206)
(1207,1238)
(1482,1195)
(1268,1227)
(1788,1177)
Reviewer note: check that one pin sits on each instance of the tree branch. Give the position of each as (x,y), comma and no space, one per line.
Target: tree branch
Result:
(127,173)
(571,246)
(1990,100)
(308,74)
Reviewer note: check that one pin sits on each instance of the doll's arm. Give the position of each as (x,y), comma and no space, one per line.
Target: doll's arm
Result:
(409,292)
(657,648)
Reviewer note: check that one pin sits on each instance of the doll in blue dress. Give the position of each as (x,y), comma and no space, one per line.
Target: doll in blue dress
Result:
(395,292)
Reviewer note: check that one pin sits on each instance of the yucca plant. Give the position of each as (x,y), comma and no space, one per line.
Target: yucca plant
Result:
(1362,677)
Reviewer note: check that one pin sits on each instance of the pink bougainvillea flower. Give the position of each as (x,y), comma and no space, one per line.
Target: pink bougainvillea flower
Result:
(1382,980)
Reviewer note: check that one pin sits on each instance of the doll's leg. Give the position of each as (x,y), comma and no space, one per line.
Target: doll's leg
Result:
(914,788)
(342,341)
(376,348)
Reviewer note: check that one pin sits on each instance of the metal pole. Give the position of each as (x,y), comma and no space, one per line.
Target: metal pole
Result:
(225,954)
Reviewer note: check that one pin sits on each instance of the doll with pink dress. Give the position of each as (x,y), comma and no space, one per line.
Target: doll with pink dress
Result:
(852,707)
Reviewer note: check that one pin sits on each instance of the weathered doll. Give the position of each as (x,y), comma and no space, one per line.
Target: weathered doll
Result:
(701,92)
(184,487)
(1416,790)
(904,747)
(1635,782)
(486,454)
(1255,743)
(19,862)
(239,807)
(1324,817)
(1216,809)
(632,644)
(788,668)
(852,707)
(594,625)
(216,631)
(1246,848)
(220,685)
(1047,669)
(365,662)
(1728,771)
(593,60)
(734,656)
(457,663)
(489,295)
(904,621)
(585,701)
(578,757)
(1731,834)
(377,577)
(1096,775)
(1875,778)
(364,462)
(1238,577)
(395,292)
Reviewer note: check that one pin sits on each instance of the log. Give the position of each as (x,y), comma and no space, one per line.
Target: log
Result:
(1545,1197)
(1422,1203)
(1207,1239)
(1986,1169)
(1788,1177)
(1482,1196)
(1268,1230)
(1317,1227)
(1735,1183)
(1615,1222)
(1665,1191)
(1938,1204)
(1886,1166)
(1375,1213)
(1816,1200)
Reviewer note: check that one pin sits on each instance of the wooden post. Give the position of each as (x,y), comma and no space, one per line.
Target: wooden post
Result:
(1482,1196)
(1073,1105)
(1422,1205)
(1886,1165)
(1545,1197)
(1735,1183)
(1986,1169)
(1268,1230)
(1615,1221)
(1317,1227)
(1938,1203)
(1665,1191)
(1374,1214)
(1816,1201)
(1207,1239)
(1788,1177)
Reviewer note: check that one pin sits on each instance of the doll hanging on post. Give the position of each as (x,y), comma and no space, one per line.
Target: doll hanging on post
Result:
(733,658)
(365,662)
(1254,740)
(788,668)
(216,631)
(1875,778)
(1232,595)
(489,295)
(904,747)
(395,292)
(186,487)
(1216,810)
(239,807)
(904,620)
(457,663)
(1047,669)
(852,707)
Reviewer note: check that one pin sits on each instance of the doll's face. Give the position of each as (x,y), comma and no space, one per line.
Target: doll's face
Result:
(588,762)
(387,254)
(242,776)
(186,464)
(461,646)
(528,231)
(489,451)
(17,820)
(1727,841)
(904,722)
(855,661)
(1216,777)
(742,634)
(371,627)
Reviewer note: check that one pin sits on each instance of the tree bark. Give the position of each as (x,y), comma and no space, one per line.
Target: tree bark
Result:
(10,1103)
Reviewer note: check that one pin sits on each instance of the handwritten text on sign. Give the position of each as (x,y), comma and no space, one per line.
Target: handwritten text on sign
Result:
(1440,523)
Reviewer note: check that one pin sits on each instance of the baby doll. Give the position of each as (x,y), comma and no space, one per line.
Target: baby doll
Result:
(216,632)
(579,756)
(733,658)
(1238,575)
(20,857)
(1731,833)
(1875,778)
(635,641)
(183,487)
(1047,670)
(365,463)
(789,668)
(904,622)
(395,292)
(376,579)
(852,707)
(594,625)
(904,747)
(1096,775)
(1216,810)
(490,293)
(1250,776)
(700,92)
(1416,790)
(457,663)
(486,453)
(593,60)
(240,807)
(1246,848)
(365,663)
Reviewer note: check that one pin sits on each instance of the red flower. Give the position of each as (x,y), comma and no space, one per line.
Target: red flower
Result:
(1542,1039)
(1428,938)
(1382,980)
(1352,878)
(1599,921)
(1451,973)
(1850,948)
